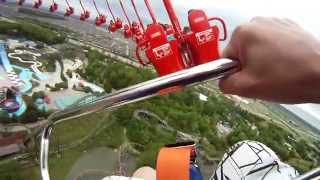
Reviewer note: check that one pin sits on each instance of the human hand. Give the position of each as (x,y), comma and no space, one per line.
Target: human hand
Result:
(279,62)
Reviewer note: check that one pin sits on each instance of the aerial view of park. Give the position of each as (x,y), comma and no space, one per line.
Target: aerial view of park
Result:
(50,62)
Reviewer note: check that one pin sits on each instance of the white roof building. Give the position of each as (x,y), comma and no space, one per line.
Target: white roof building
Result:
(13,44)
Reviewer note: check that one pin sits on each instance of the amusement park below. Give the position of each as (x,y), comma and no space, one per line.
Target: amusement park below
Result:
(73,75)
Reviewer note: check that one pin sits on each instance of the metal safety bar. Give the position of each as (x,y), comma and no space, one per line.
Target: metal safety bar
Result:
(312,175)
(159,86)
(210,71)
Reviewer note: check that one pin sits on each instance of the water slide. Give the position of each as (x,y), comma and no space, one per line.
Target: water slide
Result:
(4,81)
(4,61)
(34,64)
(5,67)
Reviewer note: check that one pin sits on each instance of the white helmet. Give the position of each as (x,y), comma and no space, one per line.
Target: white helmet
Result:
(252,160)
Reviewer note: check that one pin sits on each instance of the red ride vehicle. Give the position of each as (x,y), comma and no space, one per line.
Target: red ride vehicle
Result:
(114,23)
(112,26)
(21,2)
(85,14)
(118,23)
(127,30)
(170,49)
(138,29)
(100,19)
(69,10)
(37,4)
(53,7)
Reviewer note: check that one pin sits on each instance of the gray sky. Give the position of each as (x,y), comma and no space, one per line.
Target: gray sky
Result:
(235,12)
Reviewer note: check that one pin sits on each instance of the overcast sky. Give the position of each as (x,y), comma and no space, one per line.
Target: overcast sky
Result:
(304,12)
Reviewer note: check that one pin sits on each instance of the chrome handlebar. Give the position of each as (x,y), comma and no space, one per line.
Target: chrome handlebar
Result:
(210,71)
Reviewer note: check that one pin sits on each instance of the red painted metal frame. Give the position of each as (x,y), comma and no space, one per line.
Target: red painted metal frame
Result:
(174,19)
(223,25)
(150,11)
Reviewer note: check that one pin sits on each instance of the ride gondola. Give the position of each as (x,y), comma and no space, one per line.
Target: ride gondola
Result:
(37,4)
(85,13)
(53,7)
(101,18)
(112,25)
(21,2)
(69,10)
(127,30)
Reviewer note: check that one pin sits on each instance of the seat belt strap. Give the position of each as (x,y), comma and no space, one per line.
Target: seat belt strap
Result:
(173,162)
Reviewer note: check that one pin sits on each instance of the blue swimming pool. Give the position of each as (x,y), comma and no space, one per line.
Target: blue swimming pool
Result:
(63,102)
(26,76)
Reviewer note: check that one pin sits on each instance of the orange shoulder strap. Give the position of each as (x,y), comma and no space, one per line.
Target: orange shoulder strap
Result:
(173,163)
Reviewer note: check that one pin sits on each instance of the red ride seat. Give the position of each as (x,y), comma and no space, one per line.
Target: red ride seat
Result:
(69,11)
(135,27)
(203,36)
(164,54)
(54,7)
(82,17)
(37,4)
(87,14)
(98,21)
(137,32)
(21,2)
(103,19)
(139,37)
(112,26)
(127,31)
(118,23)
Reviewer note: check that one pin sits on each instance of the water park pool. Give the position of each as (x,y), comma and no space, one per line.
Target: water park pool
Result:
(63,102)
(25,75)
